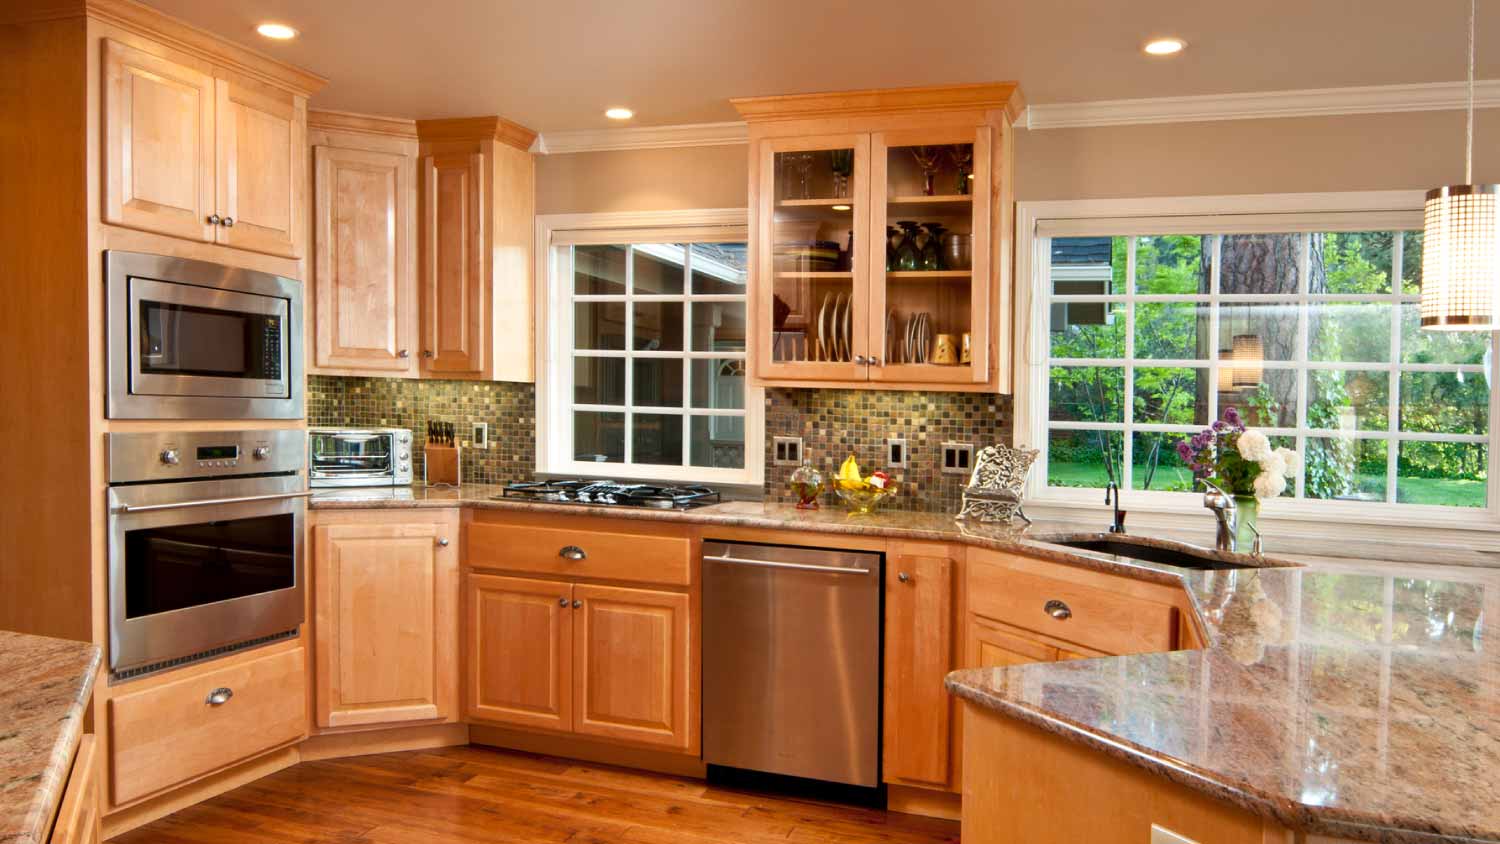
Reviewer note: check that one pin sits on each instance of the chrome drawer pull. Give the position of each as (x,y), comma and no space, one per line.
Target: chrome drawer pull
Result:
(572,552)
(1058,610)
(219,696)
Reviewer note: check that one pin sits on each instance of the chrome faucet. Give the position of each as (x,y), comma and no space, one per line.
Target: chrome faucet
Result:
(1112,497)
(1222,504)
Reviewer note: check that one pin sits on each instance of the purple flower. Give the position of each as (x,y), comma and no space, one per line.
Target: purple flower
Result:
(1220,425)
(1184,451)
(1232,416)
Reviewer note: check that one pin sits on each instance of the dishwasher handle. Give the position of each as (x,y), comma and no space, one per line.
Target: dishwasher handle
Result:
(744,561)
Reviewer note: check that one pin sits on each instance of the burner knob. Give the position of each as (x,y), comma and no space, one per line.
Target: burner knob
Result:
(261,452)
(405,455)
(170,457)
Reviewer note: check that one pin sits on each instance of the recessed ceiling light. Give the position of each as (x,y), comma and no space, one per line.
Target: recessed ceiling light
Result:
(618,113)
(842,207)
(1164,46)
(279,31)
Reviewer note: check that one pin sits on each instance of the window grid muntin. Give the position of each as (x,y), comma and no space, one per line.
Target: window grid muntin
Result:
(1396,298)
(629,355)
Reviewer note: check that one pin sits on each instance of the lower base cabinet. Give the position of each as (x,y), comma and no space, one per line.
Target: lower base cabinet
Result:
(385,617)
(604,661)
(79,813)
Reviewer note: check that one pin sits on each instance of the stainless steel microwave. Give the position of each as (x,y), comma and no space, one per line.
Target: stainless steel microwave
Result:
(196,340)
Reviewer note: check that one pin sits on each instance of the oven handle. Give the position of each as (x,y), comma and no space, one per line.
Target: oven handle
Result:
(207,502)
(743,561)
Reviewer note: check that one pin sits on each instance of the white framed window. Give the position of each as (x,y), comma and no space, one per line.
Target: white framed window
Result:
(642,339)
(1144,319)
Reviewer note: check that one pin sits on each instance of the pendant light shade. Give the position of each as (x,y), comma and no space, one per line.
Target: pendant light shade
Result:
(1461,246)
(1460,258)
(1248,354)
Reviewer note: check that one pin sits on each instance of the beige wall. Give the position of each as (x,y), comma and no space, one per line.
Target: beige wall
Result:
(1355,152)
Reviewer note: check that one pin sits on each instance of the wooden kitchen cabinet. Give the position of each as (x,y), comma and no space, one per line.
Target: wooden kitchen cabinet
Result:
(386,622)
(832,178)
(79,813)
(631,665)
(201,152)
(475,285)
(364,279)
(519,648)
(919,652)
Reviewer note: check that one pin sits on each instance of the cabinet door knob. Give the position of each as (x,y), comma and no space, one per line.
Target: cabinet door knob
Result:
(861,360)
(214,219)
(562,602)
(443,542)
(426,353)
(874,361)
(228,222)
(403,354)
(1058,610)
(572,552)
(577,603)
(219,696)
(903,577)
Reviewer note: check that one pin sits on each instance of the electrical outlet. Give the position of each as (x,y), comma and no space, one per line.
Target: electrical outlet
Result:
(786,451)
(896,455)
(958,458)
(480,437)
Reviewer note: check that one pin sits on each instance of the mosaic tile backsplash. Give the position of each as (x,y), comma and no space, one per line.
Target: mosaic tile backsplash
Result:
(836,423)
(832,424)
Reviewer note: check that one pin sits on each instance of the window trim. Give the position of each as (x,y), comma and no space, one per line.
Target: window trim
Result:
(1037,222)
(553,432)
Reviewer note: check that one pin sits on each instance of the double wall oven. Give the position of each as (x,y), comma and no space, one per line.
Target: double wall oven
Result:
(205,543)
(197,340)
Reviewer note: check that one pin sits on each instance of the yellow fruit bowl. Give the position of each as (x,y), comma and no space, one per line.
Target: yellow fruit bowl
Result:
(861,498)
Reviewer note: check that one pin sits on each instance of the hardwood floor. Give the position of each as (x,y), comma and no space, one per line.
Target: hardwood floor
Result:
(475,794)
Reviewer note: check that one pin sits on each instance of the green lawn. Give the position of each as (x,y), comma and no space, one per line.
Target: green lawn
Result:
(1450,493)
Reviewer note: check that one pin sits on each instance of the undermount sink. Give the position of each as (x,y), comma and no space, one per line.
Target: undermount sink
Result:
(1180,557)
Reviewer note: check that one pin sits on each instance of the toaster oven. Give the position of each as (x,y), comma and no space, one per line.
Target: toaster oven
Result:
(342,457)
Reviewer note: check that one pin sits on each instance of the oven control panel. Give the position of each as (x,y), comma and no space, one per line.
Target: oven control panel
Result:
(185,455)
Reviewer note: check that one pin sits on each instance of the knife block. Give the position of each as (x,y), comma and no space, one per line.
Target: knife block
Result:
(441,465)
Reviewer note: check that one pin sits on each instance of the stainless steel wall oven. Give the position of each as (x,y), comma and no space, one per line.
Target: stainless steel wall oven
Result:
(205,543)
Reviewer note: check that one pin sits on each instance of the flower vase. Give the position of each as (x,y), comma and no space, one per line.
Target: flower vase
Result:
(1246,522)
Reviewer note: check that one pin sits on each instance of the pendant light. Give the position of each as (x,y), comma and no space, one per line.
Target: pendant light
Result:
(1248,353)
(1461,245)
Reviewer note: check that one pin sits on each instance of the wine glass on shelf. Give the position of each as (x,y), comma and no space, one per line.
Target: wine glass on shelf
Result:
(963,160)
(927,158)
(841,162)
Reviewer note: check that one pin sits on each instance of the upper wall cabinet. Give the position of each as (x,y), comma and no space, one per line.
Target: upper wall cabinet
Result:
(881,242)
(474,280)
(364,267)
(201,152)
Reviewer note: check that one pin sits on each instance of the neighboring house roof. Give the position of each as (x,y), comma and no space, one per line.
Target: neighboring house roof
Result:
(1081,250)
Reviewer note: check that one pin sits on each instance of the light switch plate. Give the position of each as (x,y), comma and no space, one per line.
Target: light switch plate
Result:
(1162,835)
(786,451)
(958,458)
(480,437)
(896,454)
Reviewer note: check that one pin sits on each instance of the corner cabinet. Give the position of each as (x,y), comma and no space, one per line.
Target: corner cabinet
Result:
(881,237)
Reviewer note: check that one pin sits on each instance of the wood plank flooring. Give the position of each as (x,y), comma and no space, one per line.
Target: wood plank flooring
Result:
(473,794)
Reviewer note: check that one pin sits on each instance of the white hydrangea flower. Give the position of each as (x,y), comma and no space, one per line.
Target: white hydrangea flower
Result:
(1269,484)
(1292,461)
(1273,464)
(1254,446)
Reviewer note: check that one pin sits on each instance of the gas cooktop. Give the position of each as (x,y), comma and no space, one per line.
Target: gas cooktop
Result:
(612,493)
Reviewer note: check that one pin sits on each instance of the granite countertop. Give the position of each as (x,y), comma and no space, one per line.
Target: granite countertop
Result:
(47,685)
(1347,698)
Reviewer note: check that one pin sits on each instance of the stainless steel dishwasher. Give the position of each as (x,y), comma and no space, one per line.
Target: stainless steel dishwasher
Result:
(791,661)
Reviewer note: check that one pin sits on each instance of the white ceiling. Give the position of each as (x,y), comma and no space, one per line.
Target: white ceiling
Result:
(554,65)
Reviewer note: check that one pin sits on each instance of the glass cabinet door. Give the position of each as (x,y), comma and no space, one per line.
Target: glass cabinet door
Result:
(813,214)
(930,278)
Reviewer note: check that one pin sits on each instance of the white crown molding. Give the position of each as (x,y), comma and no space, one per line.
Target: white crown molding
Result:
(643,137)
(1311,102)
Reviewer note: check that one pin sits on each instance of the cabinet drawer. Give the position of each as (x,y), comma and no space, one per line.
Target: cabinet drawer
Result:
(79,814)
(166,734)
(606,555)
(1111,622)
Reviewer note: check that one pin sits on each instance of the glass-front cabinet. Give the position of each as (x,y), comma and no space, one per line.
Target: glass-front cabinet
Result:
(880,254)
